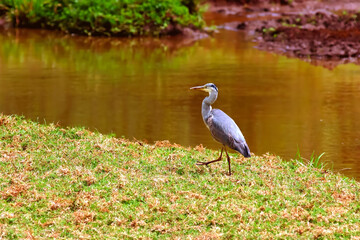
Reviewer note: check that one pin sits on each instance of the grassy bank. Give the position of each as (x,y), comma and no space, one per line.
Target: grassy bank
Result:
(73,183)
(111,17)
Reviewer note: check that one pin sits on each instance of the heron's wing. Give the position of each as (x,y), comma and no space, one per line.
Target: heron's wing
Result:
(225,130)
(224,126)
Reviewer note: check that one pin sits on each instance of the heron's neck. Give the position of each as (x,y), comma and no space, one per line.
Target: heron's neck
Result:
(206,105)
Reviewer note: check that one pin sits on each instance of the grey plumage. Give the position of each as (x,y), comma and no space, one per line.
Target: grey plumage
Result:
(221,126)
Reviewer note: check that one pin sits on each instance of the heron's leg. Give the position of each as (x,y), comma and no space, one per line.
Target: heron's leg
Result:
(228,159)
(216,160)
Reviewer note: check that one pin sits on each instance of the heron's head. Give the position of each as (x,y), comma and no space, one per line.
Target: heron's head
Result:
(209,87)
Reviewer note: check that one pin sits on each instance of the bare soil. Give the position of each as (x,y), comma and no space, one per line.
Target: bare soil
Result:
(325,33)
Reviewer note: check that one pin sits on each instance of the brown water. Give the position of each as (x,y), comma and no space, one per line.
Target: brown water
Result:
(140,89)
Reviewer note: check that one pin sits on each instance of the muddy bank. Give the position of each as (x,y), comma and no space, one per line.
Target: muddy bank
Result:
(239,7)
(320,35)
(326,33)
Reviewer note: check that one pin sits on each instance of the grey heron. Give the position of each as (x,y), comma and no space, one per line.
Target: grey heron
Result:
(221,126)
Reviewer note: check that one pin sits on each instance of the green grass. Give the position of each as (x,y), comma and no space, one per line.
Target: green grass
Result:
(314,161)
(110,17)
(73,183)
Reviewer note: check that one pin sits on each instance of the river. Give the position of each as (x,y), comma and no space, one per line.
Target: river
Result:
(139,88)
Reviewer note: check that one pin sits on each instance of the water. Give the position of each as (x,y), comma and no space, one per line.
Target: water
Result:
(139,88)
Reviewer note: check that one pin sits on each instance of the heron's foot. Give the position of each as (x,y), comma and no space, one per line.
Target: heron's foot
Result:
(202,163)
(207,163)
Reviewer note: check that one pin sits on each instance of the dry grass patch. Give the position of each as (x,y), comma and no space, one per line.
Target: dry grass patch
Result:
(73,183)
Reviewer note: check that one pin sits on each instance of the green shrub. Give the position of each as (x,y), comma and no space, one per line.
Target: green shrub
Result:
(112,17)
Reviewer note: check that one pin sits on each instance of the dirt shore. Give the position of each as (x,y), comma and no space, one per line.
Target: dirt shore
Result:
(325,33)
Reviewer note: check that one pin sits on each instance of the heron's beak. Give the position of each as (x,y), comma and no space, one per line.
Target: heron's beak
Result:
(201,88)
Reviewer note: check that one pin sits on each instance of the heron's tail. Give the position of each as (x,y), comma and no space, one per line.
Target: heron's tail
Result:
(243,149)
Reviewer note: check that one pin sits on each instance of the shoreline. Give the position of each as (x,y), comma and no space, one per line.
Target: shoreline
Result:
(297,29)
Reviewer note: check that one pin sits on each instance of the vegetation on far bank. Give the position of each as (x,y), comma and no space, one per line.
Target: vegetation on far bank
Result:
(73,183)
(111,17)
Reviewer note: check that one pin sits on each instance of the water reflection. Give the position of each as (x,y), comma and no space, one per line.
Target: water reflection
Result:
(140,88)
